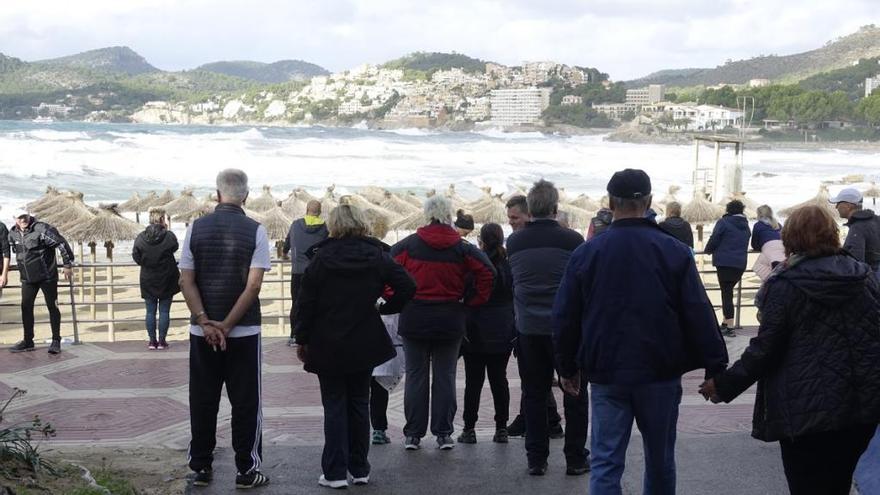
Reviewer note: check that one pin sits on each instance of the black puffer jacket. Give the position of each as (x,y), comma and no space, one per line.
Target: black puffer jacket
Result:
(34,250)
(680,229)
(863,238)
(490,327)
(154,251)
(817,354)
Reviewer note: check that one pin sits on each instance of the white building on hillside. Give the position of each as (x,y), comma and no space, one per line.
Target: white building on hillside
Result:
(519,106)
(697,117)
(871,84)
(647,95)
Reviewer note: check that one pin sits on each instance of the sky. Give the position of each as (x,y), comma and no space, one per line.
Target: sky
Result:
(625,38)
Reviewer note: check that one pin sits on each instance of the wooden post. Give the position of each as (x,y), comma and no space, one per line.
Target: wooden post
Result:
(111,327)
(94,252)
(281,319)
(82,280)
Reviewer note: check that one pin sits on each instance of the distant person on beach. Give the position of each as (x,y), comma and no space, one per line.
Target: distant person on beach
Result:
(489,340)
(676,226)
(341,338)
(538,255)
(154,251)
(863,236)
(599,223)
(517,212)
(224,257)
(432,325)
(304,233)
(4,250)
(729,247)
(34,244)
(767,240)
(631,317)
(816,358)
(464,224)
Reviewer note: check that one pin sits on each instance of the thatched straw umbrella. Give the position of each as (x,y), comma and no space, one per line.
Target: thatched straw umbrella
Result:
(264,202)
(148,201)
(700,212)
(578,218)
(365,205)
(132,206)
(164,199)
(50,195)
(184,203)
(670,195)
(74,212)
(277,224)
(378,223)
(517,191)
(303,195)
(328,202)
(256,215)
(820,199)
(411,222)
(294,206)
(585,203)
(205,206)
(872,192)
(411,198)
(398,205)
(373,194)
(454,198)
(492,211)
(751,206)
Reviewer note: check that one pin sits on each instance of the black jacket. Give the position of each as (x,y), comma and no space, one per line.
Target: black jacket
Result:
(679,228)
(154,251)
(4,241)
(490,327)
(863,238)
(35,251)
(336,315)
(817,354)
(729,242)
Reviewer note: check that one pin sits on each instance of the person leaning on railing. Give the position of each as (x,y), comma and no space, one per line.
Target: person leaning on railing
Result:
(154,251)
(729,247)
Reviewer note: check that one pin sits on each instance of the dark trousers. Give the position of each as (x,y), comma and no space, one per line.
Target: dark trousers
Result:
(476,366)
(29,296)
(823,463)
(239,368)
(537,372)
(295,286)
(378,405)
(424,358)
(553,417)
(346,400)
(164,308)
(727,279)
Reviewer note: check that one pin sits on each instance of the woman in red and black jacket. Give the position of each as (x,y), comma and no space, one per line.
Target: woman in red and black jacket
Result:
(432,324)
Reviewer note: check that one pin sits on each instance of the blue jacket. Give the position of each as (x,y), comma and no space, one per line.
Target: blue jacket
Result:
(631,309)
(538,254)
(763,233)
(729,243)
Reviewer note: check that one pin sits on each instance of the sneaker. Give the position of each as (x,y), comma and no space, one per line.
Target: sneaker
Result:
(162,345)
(468,435)
(517,427)
(727,331)
(578,469)
(445,442)
(23,346)
(152,345)
(556,431)
(332,484)
(363,480)
(203,477)
(538,469)
(501,435)
(55,347)
(380,438)
(412,443)
(252,480)
(291,342)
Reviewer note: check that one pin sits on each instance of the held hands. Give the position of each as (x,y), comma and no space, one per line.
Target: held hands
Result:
(215,332)
(572,385)
(709,392)
(4,279)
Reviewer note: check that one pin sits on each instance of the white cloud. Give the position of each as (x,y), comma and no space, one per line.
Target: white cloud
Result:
(627,38)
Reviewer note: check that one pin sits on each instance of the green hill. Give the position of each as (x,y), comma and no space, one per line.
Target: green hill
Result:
(850,80)
(115,59)
(276,72)
(430,62)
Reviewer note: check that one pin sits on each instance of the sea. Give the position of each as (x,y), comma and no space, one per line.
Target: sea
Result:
(108,162)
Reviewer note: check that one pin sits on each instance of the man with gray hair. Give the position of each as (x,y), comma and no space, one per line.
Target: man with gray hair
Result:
(304,233)
(538,255)
(863,237)
(224,257)
(432,324)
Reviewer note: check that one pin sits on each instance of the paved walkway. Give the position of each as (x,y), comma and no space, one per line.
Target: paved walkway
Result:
(120,394)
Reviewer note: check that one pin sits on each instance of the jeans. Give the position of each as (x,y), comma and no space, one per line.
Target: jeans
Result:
(654,406)
(476,366)
(164,307)
(296,280)
(537,372)
(423,358)
(346,400)
(727,279)
(29,296)
(823,463)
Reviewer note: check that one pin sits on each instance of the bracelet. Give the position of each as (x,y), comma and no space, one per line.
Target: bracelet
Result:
(196,316)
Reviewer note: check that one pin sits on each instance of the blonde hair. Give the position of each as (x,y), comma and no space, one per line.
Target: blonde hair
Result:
(156,214)
(346,220)
(673,209)
(766,213)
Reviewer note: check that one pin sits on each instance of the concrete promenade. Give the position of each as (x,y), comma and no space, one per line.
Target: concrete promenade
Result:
(120,395)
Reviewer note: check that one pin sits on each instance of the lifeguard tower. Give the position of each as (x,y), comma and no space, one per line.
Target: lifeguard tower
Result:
(722,178)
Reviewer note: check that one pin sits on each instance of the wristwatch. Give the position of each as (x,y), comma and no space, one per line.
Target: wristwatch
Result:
(195,317)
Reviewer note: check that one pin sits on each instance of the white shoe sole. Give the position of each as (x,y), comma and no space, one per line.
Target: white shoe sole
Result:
(337,484)
(358,481)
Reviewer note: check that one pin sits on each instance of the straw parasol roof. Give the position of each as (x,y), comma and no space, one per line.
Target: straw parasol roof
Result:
(164,199)
(148,201)
(132,204)
(373,194)
(328,202)
(294,206)
(256,215)
(398,205)
(700,211)
(517,191)
(51,194)
(820,199)
(185,203)
(303,195)
(872,192)
(751,206)
(585,203)
(277,223)
(72,214)
(264,202)
(107,225)
(492,211)
(456,200)
(51,205)
(411,198)
(670,196)
(578,218)
(411,222)
(379,224)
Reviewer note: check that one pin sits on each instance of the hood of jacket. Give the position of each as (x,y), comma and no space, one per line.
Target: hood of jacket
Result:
(439,236)
(674,221)
(311,229)
(829,280)
(739,222)
(860,215)
(154,234)
(349,253)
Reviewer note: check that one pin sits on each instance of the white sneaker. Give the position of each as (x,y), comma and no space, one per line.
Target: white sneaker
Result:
(358,481)
(332,484)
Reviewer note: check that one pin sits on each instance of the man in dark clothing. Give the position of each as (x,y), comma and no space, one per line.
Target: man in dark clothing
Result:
(223,260)
(538,255)
(599,223)
(676,226)
(34,244)
(4,249)
(304,234)
(863,237)
(631,316)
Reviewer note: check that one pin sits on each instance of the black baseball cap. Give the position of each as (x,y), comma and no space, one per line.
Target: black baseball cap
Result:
(630,183)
